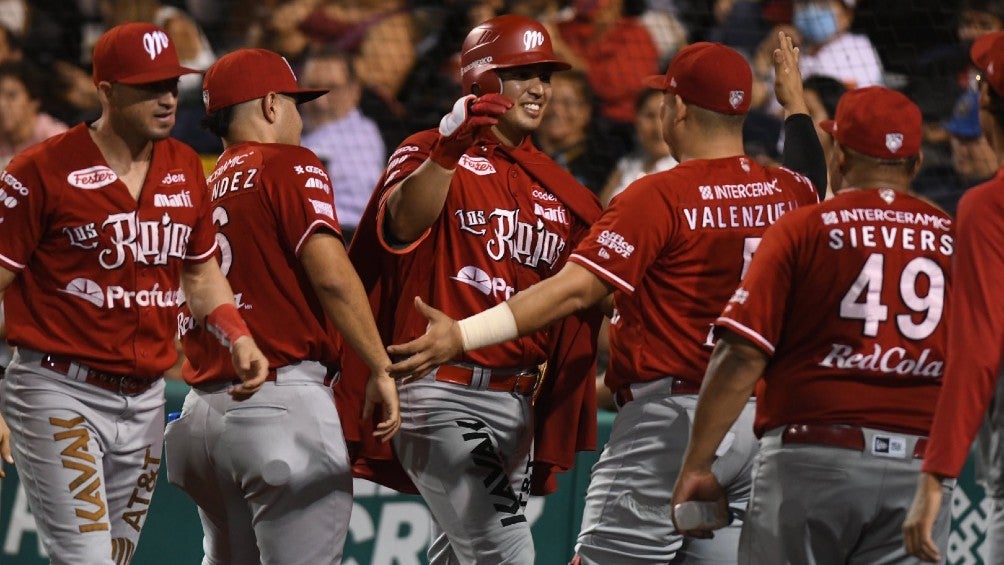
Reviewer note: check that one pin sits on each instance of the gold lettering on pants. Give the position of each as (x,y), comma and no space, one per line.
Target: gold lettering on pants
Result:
(77,457)
(122,550)
(144,486)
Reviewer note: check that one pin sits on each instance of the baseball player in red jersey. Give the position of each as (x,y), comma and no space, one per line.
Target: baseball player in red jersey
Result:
(671,248)
(975,330)
(271,474)
(464,217)
(102,230)
(839,324)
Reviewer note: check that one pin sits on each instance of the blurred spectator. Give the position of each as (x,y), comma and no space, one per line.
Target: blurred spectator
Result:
(615,51)
(827,47)
(434,83)
(572,135)
(22,121)
(738,24)
(379,33)
(667,32)
(346,141)
(943,81)
(651,153)
(973,158)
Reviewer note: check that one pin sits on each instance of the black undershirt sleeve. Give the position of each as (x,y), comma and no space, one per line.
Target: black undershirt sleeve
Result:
(803,152)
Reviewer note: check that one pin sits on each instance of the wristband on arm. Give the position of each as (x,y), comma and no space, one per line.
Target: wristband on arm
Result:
(226,323)
(495,325)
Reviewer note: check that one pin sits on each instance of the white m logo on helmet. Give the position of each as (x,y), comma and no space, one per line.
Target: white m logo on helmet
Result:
(532,39)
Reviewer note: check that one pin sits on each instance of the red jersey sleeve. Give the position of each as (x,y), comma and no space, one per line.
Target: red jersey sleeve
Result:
(202,242)
(628,237)
(298,187)
(975,329)
(412,152)
(756,309)
(22,211)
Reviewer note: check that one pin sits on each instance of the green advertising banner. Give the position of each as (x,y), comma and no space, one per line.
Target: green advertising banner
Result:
(388,528)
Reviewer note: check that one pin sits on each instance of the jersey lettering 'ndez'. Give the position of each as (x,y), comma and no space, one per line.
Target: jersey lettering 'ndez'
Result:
(267,201)
(499,233)
(98,271)
(675,245)
(848,297)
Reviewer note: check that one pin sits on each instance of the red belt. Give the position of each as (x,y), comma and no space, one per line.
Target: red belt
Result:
(676,386)
(848,437)
(122,384)
(520,381)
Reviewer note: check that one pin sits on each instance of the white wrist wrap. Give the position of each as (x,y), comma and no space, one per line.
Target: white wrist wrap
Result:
(494,325)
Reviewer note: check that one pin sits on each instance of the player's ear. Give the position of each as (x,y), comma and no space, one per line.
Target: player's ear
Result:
(269,103)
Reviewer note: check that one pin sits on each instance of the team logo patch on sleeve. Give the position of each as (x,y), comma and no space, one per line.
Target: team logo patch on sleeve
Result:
(323,208)
(91,178)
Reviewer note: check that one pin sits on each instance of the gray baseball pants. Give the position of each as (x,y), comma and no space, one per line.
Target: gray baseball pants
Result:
(627,520)
(819,505)
(270,474)
(467,451)
(87,457)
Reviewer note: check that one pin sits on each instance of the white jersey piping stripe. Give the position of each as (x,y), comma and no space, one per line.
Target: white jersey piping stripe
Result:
(17,266)
(607,274)
(311,230)
(205,255)
(746,332)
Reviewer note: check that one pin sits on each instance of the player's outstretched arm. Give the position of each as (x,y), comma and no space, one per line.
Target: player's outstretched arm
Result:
(574,288)
(734,368)
(418,200)
(211,300)
(920,519)
(788,77)
(344,301)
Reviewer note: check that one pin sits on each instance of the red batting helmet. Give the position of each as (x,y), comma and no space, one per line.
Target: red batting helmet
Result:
(500,43)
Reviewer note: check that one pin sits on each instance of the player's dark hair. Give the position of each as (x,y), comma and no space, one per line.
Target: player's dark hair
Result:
(828,89)
(219,121)
(908,164)
(715,121)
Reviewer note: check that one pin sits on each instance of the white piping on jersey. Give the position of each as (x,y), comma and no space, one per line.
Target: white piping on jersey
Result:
(307,233)
(747,332)
(203,255)
(12,262)
(617,280)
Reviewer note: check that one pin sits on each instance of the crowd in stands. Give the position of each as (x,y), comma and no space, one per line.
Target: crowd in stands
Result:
(393,68)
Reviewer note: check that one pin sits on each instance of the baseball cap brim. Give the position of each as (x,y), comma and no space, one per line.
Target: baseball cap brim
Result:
(655,82)
(158,75)
(307,94)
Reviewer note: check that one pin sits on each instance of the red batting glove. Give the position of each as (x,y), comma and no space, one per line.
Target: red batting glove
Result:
(458,129)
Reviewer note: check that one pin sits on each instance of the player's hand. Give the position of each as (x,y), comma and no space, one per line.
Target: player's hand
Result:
(5,446)
(920,519)
(459,128)
(382,389)
(698,485)
(788,77)
(251,366)
(442,341)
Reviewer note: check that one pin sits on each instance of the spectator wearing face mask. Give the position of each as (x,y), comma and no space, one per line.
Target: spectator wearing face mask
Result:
(827,47)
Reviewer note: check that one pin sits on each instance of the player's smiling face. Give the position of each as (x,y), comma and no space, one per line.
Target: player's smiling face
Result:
(529,88)
(147,109)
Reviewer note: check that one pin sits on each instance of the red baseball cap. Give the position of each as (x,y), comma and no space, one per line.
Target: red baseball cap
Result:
(709,75)
(248,74)
(987,54)
(136,53)
(877,122)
